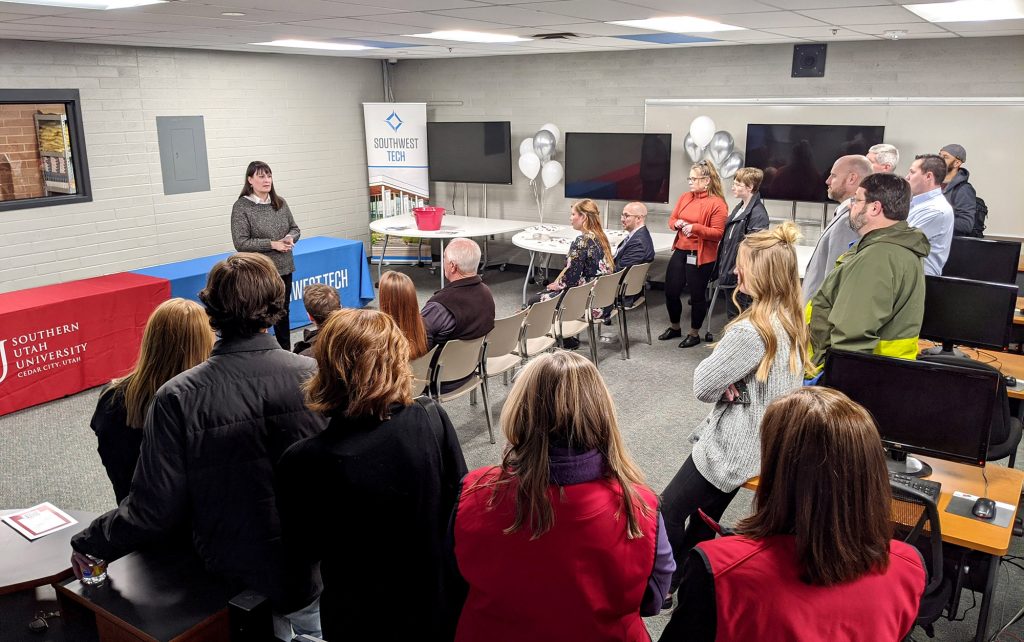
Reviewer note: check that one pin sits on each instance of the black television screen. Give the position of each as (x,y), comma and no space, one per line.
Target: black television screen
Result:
(618,167)
(470,152)
(796,159)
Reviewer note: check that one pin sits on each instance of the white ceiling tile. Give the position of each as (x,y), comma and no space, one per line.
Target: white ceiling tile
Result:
(590,29)
(699,8)
(800,5)
(992,34)
(766,20)
(862,15)
(403,22)
(750,35)
(991,26)
(311,7)
(355,25)
(507,15)
(823,34)
(419,5)
(919,28)
(595,9)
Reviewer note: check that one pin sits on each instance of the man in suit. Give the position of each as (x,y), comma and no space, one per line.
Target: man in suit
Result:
(843,181)
(637,247)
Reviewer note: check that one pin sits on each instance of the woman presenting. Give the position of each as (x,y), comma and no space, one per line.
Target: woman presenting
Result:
(261,222)
(698,221)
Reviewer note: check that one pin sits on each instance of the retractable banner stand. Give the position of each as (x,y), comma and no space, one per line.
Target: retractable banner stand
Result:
(396,159)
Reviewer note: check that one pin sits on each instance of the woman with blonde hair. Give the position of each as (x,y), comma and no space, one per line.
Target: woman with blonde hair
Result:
(568,502)
(816,560)
(761,355)
(177,337)
(398,299)
(388,462)
(699,222)
(590,255)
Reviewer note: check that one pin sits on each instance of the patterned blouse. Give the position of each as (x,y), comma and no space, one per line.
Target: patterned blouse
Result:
(585,262)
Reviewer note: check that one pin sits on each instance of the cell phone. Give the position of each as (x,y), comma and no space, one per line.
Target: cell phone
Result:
(744,396)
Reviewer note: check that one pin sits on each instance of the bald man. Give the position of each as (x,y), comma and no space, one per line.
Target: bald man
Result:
(637,247)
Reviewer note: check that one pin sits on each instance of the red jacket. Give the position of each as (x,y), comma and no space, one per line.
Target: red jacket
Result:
(760,596)
(708,215)
(583,580)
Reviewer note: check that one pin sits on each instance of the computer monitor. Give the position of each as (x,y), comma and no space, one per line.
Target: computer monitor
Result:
(923,408)
(963,312)
(983,259)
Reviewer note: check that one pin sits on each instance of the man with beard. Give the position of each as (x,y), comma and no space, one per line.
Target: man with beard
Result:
(959,192)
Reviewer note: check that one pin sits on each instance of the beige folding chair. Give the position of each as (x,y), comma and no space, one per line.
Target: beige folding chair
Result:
(501,344)
(633,286)
(421,372)
(538,331)
(570,318)
(457,360)
(603,295)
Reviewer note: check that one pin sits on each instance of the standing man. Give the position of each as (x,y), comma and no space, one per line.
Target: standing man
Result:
(847,173)
(960,193)
(210,441)
(874,300)
(464,308)
(929,210)
(884,158)
(637,247)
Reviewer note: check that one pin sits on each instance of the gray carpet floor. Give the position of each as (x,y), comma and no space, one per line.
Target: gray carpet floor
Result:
(48,453)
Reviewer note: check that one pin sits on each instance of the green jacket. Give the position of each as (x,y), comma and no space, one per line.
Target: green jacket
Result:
(873,300)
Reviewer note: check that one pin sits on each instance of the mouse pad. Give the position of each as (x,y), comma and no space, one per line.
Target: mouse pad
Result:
(963,503)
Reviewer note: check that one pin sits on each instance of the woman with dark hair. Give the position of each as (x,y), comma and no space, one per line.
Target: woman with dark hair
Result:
(748,216)
(816,560)
(567,503)
(699,222)
(398,299)
(262,222)
(392,464)
(177,337)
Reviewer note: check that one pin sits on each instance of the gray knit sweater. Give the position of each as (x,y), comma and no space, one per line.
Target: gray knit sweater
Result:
(727,445)
(254,226)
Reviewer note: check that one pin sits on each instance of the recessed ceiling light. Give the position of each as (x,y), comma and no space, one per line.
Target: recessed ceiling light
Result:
(232,14)
(468,36)
(89,4)
(895,34)
(677,24)
(309,44)
(968,10)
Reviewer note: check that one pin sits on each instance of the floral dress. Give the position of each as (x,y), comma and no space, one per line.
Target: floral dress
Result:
(585,262)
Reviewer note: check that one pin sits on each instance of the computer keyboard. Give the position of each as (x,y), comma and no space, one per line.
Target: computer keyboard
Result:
(926,486)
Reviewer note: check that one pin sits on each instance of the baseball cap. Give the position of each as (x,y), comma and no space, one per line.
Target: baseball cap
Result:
(956,151)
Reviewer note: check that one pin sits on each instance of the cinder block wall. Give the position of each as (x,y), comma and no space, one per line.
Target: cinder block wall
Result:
(301,114)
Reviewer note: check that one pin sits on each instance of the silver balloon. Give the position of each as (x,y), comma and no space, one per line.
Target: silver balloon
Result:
(720,147)
(692,149)
(732,163)
(544,144)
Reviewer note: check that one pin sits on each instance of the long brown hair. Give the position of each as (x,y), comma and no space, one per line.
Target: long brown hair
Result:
(592,225)
(823,479)
(771,277)
(363,365)
(177,337)
(398,299)
(706,168)
(259,167)
(561,397)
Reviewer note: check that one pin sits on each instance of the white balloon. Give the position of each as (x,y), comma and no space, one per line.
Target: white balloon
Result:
(526,147)
(702,129)
(554,130)
(551,174)
(529,165)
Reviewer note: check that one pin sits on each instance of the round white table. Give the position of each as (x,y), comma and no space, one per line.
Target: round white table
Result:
(452,226)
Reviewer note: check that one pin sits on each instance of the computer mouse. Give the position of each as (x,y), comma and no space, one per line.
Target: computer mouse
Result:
(1011,382)
(984,508)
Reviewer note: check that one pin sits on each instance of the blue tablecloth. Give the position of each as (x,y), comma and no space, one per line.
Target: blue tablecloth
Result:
(321,259)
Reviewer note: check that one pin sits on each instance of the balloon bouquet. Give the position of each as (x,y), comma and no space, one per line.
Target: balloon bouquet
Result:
(535,157)
(717,145)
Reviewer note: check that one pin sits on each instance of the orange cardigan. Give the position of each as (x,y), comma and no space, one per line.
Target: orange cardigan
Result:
(708,215)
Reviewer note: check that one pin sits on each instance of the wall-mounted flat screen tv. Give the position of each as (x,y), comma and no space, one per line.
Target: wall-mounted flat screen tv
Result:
(796,159)
(479,152)
(618,167)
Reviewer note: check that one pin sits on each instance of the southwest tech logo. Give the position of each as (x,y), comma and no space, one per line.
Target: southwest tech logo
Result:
(32,353)
(393,121)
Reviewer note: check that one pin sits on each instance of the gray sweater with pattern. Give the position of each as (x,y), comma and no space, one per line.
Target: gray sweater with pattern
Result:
(727,445)
(254,226)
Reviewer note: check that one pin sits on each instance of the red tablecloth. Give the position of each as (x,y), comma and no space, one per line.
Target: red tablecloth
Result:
(60,339)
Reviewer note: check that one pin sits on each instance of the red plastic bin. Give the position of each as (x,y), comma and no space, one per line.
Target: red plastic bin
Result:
(428,219)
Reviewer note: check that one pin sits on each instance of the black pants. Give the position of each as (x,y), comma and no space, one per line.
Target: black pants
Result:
(680,500)
(682,277)
(731,311)
(282,329)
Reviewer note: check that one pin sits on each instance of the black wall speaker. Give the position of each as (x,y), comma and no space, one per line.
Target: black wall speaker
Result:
(809,61)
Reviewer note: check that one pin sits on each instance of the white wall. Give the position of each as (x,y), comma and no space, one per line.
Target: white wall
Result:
(606,91)
(301,114)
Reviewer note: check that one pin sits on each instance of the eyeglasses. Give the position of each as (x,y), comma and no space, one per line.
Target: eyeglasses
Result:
(691,180)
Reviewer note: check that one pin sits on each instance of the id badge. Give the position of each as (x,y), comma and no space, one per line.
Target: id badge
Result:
(691,259)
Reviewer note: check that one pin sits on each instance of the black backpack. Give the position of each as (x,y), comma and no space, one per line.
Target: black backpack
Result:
(979,218)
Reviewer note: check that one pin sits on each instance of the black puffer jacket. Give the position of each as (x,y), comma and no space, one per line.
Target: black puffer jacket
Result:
(754,217)
(211,440)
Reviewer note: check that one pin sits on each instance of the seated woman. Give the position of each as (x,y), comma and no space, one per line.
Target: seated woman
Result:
(569,505)
(816,560)
(398,299)
(370,496)
(590,254)
(177,337)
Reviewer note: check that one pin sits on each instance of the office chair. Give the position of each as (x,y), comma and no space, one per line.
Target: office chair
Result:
(1005,433)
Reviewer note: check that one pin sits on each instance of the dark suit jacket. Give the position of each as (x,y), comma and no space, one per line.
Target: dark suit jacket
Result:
(638,249)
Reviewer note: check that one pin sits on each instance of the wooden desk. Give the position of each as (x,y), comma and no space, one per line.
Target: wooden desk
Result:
(1009,363)
(1004,485)
(1018,318)
(27,564)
